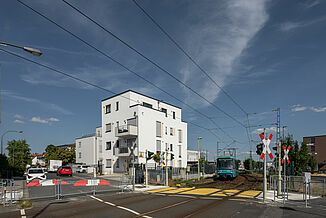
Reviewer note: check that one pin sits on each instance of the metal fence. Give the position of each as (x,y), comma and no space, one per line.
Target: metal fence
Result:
(15,190)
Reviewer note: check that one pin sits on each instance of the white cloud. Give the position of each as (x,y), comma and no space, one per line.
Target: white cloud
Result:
(38,120)
(18,116)
(320,109)
(54,119)
(260,130)
(296,108)
(218,40)
(311,3)
(18,121)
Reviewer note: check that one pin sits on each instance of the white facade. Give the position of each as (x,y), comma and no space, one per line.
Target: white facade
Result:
(132,119)
(192,156)
(87,148)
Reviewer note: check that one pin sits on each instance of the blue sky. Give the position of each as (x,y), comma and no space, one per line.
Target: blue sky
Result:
(265,54)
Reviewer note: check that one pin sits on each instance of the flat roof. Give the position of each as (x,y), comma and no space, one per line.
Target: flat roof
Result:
(314,136)
(142,95)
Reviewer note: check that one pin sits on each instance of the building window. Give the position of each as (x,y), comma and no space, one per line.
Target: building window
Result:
(158,146)
(171,147)
(165,111)
(180,135)
(173,115)
(158,129)
(99,133)
(108,146)
(312,139)
(117,163)
(166,130)
(313,148)
(180,151)
(79,155)
(171,131)
(117,124)
(108,163)
(108,108)
(147,105)
(79,144)
(100,146)
(117,106)
(108,127)
(118,143)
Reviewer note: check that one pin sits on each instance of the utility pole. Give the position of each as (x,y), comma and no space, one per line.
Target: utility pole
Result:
(198,158)
(278,140)
(166,166)
(265,185)
(216,151)
(146,169)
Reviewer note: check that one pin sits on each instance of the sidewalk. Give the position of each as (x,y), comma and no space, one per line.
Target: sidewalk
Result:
(292,196)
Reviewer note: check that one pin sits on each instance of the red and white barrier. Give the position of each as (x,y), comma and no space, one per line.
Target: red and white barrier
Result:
(47,182)
(286,154)
(91,182)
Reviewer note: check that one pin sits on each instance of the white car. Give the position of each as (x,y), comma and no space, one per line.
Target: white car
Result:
(35,174)
(82,169)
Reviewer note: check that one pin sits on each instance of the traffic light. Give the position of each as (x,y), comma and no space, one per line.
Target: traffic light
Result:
(149,155)
(259,148)
(172,156)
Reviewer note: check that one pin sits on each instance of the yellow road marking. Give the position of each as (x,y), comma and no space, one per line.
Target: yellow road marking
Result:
(226,193)
(248,194)
(161,189)
(176,190)
(201,191)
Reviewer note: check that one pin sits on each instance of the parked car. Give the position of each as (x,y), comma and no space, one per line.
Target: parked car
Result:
(35,174)
(64,170)
(82,169)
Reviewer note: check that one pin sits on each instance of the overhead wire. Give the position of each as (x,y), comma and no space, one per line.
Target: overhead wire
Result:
(84,81)
(117,62)
(153,62)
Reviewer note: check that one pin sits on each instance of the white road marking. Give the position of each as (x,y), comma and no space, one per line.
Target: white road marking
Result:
(22,212)
(183,196)
(120,207)
(235,199)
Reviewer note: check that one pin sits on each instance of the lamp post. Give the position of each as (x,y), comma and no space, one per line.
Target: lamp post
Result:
(198,158)
(33,51)
(19,131)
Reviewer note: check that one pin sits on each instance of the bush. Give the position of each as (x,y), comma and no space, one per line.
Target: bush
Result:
(25,203)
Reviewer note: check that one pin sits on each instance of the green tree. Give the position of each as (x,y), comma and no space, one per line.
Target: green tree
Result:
(18,156)
(4,166)
(66,154)
(247,163)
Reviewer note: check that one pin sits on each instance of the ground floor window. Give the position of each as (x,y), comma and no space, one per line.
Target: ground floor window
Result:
(108,163)
(117,163)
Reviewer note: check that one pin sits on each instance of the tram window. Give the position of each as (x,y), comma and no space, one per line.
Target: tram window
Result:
(225,164)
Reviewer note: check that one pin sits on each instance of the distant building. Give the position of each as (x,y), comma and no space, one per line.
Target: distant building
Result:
(69,146)
(317,148)
(38,159)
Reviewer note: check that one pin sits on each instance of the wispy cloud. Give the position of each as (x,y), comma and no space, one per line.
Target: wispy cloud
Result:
(219,40)
(19,121)
(310,3)
(290,25)
(260,130)
(13,95)
(298,107)
(18,116)
(44,121)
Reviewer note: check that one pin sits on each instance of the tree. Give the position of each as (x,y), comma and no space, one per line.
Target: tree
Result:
(19,156)
(4,166)
(66,154)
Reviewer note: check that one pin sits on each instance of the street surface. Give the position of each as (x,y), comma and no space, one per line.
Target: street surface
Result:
(162,205)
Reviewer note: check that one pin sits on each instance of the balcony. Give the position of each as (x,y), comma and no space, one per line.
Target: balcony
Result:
(126,131)
(122,152)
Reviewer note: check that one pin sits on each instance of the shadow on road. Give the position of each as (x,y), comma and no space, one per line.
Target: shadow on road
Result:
(49,204)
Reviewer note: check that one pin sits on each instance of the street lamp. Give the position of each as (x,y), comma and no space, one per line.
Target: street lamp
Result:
(33,51)
(19,131)
(198,158)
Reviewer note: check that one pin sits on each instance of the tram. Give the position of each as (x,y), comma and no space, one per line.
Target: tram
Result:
(227,167)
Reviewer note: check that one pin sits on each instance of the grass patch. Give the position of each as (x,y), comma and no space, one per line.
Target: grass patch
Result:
(25,203)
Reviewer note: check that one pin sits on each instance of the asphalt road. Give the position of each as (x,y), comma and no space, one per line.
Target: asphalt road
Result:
(67,188)
(157,205)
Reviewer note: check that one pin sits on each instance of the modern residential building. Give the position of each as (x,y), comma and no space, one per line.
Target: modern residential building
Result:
(133,121)
(89,148)
(317,148)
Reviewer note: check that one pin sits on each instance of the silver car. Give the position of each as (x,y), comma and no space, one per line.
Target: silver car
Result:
(35,174)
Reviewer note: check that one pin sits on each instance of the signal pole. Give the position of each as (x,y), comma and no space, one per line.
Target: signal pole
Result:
(146,169)
(278,139)
(166,166)
(265,187)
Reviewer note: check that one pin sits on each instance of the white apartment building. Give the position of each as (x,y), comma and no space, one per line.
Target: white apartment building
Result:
(133,120)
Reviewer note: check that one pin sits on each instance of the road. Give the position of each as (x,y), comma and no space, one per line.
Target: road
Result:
(68,186)
(158,205)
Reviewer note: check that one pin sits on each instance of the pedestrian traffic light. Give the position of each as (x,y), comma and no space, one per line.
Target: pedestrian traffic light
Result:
(149,155)
(172,156)
(259,148)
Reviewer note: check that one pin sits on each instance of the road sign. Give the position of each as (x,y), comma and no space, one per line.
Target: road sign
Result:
(286,154)
(266,146)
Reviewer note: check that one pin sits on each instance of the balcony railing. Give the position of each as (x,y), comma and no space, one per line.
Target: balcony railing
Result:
(126,131)
(122,152)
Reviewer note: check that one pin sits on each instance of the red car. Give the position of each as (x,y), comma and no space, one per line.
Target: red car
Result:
(64,171)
